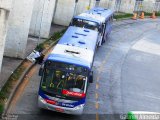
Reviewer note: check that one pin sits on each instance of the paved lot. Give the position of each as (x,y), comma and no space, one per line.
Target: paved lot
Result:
(126,76)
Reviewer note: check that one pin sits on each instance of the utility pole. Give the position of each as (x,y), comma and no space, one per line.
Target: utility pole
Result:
(97,3)
(75,7)
(41,24)
(89,6)
(108,4)
(117,5)
(156,5)
(55,8)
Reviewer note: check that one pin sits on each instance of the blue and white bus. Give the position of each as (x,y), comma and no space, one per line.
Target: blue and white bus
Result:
(98,19)
(67,71)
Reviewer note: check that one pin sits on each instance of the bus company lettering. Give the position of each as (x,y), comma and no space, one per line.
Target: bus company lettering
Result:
(67,105)
(66,92)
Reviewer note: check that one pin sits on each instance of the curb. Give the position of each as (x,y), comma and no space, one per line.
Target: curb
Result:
(20,80)
(54,43)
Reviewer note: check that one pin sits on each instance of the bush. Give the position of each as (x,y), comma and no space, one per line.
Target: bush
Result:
(39,47)
(127,15)
(53,38)
(158,14)
(147,14)
(2,96)
(6,89)
(1,108)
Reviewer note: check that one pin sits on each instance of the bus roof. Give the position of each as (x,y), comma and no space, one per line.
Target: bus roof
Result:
(102,12)
(72,55)
(96,14)
(77,46)
(80,37)
(85,16)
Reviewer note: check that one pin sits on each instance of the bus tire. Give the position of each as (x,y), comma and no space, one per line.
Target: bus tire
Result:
(91,77)
(103,40)
(98,45)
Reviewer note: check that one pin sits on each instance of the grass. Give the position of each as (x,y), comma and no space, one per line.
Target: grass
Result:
(149,14)
(124,15)
(1,109)
(13,79)
(48,42)
(158,14)
(9,85)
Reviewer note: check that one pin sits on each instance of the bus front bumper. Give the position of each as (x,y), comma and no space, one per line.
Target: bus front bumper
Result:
(78,110)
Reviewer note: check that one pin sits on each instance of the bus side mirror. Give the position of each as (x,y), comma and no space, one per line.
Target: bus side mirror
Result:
(100,29)
(91,77)
(41,71)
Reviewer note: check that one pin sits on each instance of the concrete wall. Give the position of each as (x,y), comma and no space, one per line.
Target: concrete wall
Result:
(18,28)
(83,5)
(5,6)
(148,5)
(65,8)
(109,4)
(105,3)
(64,12)
(42,18)
(127,6)
(3,25)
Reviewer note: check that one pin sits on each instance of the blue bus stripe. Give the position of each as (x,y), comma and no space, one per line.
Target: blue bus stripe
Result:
(69,105)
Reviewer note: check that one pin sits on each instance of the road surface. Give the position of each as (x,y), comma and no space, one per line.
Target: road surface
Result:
(126,77)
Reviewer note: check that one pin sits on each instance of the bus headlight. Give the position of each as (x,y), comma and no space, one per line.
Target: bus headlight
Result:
(79,107)
(42,100)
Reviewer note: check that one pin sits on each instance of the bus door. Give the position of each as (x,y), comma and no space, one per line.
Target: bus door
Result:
(104,32)
(100,35)
(108,26)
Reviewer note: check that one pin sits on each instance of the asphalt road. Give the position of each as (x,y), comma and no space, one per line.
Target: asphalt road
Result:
(126,77)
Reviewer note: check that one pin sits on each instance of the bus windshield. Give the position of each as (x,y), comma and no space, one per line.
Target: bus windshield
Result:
(58,77)
(85,24)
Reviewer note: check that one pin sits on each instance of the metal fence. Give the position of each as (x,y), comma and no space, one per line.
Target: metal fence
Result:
(139,6)
(117,5)
(156,6)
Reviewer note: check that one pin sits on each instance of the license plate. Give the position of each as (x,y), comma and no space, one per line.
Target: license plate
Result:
(59,110)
